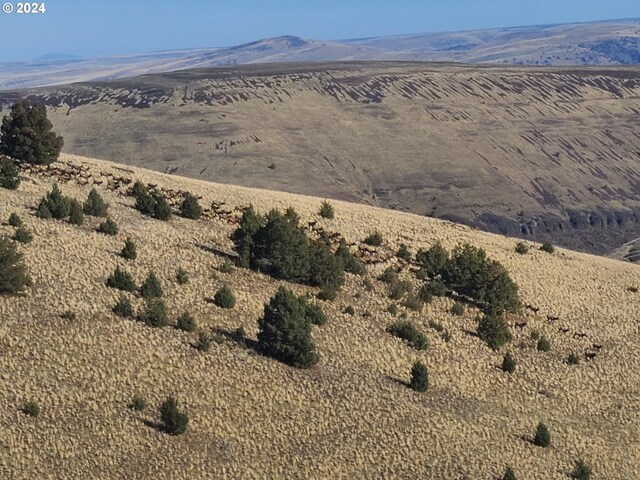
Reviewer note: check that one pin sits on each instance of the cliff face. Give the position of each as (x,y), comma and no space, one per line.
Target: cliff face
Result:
(546,154)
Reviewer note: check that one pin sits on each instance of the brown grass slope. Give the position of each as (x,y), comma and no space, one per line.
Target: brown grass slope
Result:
(348,417)
(546,154)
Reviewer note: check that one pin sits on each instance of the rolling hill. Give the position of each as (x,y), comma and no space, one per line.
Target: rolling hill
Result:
(598,43)
(547,154)
(351,415)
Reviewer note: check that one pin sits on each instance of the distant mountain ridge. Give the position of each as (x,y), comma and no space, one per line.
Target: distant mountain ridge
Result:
(613,42)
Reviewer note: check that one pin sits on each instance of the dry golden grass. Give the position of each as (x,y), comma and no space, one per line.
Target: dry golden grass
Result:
(348,417)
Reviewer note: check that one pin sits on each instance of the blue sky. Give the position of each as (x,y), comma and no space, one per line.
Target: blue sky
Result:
(92,28)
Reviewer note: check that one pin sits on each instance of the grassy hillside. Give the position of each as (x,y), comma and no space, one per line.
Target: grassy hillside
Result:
(352,414)
(546,154)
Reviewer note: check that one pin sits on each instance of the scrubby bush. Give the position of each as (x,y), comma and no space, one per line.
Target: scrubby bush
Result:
(389,275)
(9,176)
(522,248)
(144,201)
(284,330)
(509,474)
(544,345)
(154,314)
(162,209)
(242,238)
(328,293)
(392,309)
(542,437)
(42,211)
(108,227)
(326,210)
(573,359)
(173,421)
(325,268)
(68,315)
(121,280)
(54,205)
(403,252)
(419,377)
(227,267)
(190,208)
(224,298)
(406,331)
(398,289)
(13,273)
(151,287)
(413,302)
(547,247)
(508,363)
(432,260)
(186,322)
(94,205)
(432,288)
(123,308)
(457,309)
(374,239)
(76,216)
(27,134)
(204,342)
(437,326)
(182,276)
(493,330)
(22,235)
(138,403)
(15,220)
(581,470)
(349,310)
(315,314)
(151,204)
(349,262)
(31,408)
(129,251)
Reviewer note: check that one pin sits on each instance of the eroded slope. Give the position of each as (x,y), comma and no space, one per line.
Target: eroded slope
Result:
(543,154)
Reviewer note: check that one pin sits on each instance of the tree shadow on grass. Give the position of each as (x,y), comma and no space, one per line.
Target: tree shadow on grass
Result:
(399,381)
(238,337)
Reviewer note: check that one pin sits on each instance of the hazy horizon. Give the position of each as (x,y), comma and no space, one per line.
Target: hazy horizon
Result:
(93,29)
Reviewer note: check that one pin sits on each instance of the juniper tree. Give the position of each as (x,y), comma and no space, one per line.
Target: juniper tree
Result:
(14,220)
(9,177)
(129,251)
(285,330)
(190,207)
(154,313)
(151,287)
(419,377)
(121,280)
(76,216)
(108,227)
(174,422)
(494,331)
(224,298)
(27,135)
(94,205)
(13,273)
(326,210)
(542,437)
